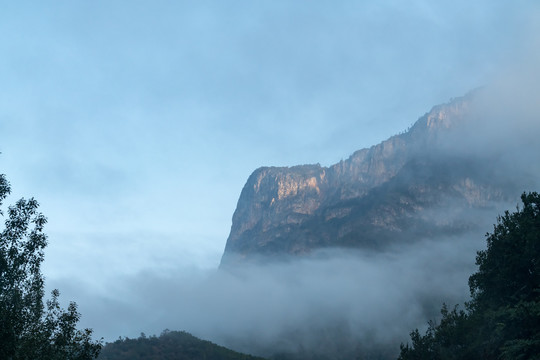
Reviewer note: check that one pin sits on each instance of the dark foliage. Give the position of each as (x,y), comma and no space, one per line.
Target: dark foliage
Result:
(30,328)
(177,345)
(502,321)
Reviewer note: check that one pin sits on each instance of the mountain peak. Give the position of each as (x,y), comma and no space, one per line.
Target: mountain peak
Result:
(378,196)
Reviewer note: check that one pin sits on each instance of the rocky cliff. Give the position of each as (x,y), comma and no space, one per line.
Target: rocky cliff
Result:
(409,187)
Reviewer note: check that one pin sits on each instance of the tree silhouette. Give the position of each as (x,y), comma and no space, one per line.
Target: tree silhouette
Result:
(502,320)
(30,328)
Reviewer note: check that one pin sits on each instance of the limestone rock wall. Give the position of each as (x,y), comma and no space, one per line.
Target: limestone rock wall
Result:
(375,197)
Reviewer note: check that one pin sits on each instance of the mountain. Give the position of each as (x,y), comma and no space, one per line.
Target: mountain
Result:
(178,345)
(424,182)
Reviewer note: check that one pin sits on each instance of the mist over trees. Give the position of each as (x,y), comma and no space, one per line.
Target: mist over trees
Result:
(31,328)
(502,320)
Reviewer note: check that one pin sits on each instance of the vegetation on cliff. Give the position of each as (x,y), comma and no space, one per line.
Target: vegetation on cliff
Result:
(502,321)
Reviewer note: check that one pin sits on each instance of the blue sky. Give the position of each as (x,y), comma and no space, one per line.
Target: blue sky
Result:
(136,123)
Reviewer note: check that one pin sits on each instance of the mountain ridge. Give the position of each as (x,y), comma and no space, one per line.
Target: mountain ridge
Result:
(378,195)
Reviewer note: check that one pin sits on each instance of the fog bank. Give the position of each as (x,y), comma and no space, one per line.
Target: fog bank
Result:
(335,298)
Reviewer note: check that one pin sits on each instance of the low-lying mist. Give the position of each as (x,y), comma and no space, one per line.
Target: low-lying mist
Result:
(335,301)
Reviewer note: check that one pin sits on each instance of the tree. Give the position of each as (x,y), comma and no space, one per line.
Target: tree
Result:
(502,320)
(506,289)
(30,328)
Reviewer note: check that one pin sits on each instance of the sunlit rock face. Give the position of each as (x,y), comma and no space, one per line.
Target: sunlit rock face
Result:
(407,188)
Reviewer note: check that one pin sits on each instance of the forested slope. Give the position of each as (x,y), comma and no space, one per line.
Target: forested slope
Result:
(177,345)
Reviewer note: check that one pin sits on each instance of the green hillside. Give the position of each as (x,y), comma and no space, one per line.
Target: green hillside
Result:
(170,345)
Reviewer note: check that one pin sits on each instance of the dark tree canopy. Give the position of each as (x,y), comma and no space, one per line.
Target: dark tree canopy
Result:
(29,327)
(502,320)
(509,269)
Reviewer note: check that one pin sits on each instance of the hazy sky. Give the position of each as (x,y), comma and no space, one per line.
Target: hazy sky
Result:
(136,123)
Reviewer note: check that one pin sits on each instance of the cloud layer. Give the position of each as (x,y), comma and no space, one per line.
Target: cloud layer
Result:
(335,297)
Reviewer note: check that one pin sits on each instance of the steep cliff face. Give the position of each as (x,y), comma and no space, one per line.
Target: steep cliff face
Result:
(393,191)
